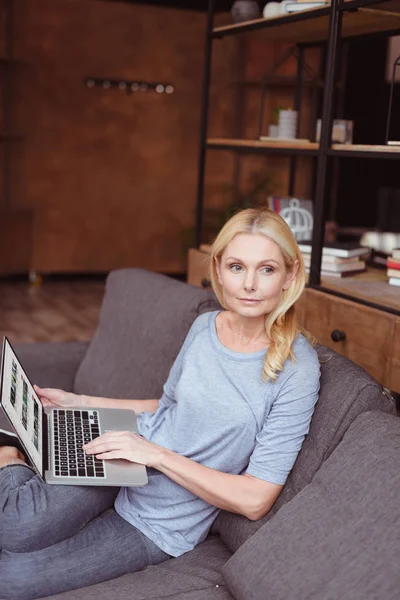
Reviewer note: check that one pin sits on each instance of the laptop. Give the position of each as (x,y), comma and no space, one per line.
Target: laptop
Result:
(52,437)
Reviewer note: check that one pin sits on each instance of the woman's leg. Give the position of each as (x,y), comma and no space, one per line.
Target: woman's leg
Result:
(106,548)
(34,514)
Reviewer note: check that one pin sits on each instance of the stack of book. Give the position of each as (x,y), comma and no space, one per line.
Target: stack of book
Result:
(339,259)
(393,267)
(298,5)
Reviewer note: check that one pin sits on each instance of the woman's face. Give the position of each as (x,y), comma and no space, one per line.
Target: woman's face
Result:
(253,275)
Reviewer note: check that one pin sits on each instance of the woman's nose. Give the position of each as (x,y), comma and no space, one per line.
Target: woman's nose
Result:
(250,282)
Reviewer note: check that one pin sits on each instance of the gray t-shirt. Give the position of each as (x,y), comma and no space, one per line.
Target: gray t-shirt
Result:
(217,410)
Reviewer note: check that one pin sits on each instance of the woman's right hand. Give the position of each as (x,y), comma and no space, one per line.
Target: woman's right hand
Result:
(55,397)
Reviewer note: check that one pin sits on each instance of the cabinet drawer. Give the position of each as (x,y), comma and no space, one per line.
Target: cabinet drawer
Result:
(368,332)
(394,383)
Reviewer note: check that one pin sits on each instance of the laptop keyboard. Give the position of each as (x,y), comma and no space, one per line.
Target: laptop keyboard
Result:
(72,429)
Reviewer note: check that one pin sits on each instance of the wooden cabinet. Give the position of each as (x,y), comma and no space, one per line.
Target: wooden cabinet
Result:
(394,380)
(365,335)
(198,268)
(368,336)
(301,308)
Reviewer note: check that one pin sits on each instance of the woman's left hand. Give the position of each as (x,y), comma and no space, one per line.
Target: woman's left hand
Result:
(127,445)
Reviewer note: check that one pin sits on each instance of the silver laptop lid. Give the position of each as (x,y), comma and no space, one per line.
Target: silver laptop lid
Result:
(22,406)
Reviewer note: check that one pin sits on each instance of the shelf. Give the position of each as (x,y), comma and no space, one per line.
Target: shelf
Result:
(281,27)
(365,151)
(267,147)
(311,148)
(313,25)
(371,286)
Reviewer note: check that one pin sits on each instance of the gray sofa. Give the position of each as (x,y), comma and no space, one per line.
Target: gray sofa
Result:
(333,532)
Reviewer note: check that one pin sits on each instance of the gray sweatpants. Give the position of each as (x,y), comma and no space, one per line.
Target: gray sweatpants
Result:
(55,538)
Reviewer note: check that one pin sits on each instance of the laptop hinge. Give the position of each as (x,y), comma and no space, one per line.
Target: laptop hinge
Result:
(46,443)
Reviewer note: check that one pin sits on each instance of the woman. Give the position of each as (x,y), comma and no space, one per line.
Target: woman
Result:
(224,435)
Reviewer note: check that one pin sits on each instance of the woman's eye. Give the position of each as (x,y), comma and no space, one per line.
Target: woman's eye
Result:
(235,268)
(268,270)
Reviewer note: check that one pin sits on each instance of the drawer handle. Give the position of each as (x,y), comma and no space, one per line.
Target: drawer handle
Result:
(338,336)
(205,283)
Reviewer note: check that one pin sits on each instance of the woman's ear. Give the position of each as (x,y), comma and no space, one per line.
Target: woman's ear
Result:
(291,275)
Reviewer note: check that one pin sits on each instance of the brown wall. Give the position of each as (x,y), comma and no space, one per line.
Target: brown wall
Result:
(108,180)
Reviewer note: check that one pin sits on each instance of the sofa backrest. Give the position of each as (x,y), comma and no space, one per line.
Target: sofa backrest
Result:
(339,537)
(346,391)
(144,320)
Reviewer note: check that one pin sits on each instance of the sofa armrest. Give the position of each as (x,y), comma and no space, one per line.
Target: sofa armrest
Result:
(52,364)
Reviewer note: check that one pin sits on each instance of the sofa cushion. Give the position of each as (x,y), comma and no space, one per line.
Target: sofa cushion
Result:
(143,322)
(346,391)
(339,537)
(193,576)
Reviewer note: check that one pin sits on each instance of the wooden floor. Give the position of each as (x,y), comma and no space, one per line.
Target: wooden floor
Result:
(54,311)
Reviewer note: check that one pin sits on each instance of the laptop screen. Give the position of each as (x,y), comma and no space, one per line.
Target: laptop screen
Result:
(22,405)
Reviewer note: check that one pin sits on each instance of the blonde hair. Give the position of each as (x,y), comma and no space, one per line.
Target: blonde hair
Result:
(281,324)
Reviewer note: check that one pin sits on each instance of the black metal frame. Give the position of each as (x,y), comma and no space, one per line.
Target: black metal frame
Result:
(325,154)
(320,204)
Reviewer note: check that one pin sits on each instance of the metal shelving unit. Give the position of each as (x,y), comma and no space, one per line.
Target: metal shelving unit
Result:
(341,20)
(390,11)
(299,82)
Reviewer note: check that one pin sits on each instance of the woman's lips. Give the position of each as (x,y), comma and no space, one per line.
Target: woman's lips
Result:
(249,300)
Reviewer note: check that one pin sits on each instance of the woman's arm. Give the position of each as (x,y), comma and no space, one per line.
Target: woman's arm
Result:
(243,494)
(55,397)
(137,406)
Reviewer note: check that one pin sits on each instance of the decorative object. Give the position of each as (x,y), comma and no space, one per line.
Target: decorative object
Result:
(342,131)
(271,9)
(297,213)
(130,86)
(287,124)
(245,10)
(381,241)
(273,131)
